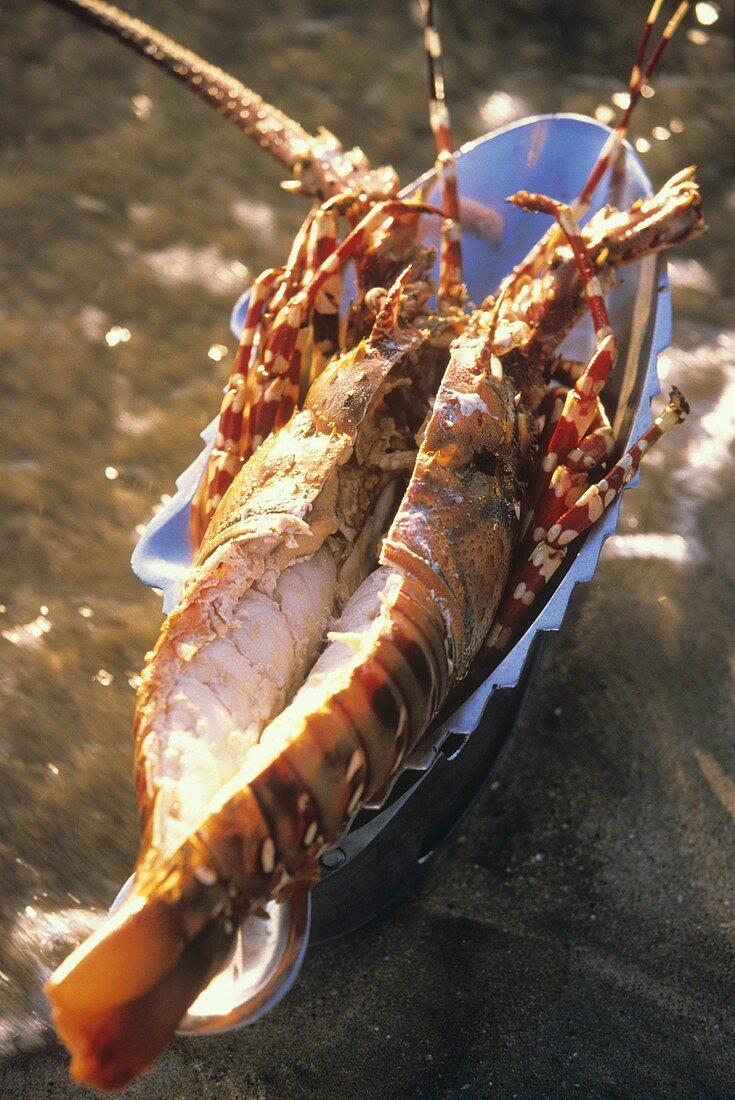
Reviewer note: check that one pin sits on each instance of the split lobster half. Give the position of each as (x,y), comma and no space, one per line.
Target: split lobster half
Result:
(390,490)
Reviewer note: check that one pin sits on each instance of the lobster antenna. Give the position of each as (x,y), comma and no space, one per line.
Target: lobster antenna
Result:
(274,131)
(640,74)
(450,281)
(319,163)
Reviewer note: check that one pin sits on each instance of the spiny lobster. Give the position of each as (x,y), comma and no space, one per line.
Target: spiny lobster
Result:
(390,489)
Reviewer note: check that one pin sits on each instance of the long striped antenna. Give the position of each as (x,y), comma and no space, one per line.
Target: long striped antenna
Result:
(451,288)
(319,162)
(640,75)
(283,138)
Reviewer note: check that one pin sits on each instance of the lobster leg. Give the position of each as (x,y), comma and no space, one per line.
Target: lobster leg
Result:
(582,405)
(297,268)
(595,448)
(225,459)
(263,393)
(325,319)
(268,292)
(569,226)
(548,555)
(580,410)
(548,413)
(272,381)
(568,481)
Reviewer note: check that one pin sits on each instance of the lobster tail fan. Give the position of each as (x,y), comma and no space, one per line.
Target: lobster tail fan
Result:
(118,999)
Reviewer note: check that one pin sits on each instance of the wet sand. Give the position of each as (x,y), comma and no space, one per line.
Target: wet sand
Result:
(578,940)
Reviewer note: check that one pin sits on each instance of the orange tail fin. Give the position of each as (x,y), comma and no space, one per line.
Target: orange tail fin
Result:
(117,1000)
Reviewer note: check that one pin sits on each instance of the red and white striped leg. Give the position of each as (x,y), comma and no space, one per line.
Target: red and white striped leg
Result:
(296,269)
(269,289)
(325,314)
(548,555)
(548,412)
(595,448)
(581,406)
(564,489)
(568,481)
(276,360)
(225,460)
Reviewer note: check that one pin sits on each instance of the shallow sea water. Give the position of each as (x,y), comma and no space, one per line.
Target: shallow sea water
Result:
(579,940)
